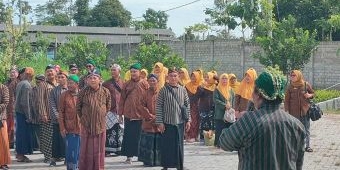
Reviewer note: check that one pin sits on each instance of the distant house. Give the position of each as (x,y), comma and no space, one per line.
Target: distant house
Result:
(116,38)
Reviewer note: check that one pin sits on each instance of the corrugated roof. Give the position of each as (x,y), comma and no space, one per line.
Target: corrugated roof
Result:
(109,35)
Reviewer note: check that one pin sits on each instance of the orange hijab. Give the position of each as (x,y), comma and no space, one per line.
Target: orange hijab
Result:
(245,90)
(186,79)
(127,75)
(235,84)
(201,77)
(299,79)
(224,88)
(210,84)
(161,75)
(192,86)
(145,72)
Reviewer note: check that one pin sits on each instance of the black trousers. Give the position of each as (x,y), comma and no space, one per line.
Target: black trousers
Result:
(220,125)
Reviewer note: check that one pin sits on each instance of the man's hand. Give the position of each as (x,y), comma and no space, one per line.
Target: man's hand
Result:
(161,127)
(120,119)
(44,119)
(187,126)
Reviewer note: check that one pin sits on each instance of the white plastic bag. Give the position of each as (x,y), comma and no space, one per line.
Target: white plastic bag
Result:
(229,115)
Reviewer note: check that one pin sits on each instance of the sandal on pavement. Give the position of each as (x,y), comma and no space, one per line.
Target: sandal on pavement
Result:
(4,167)
(24,159)
(128,161)
(308,149)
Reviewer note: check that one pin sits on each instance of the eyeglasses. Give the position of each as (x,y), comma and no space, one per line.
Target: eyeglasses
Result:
(292,75)
(88,66)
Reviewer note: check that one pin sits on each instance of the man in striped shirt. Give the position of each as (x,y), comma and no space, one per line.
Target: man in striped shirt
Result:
(171,122)
(267,138)
(58,144)
(43,94)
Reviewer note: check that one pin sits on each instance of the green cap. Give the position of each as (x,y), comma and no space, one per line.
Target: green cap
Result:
(271,85)
(136,66)
(91,61)
(74,78)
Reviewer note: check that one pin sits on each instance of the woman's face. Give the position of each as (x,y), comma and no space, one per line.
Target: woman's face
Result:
(206,78)
(293,77)
(247,78)
(193,78)
(224,80)
(181,74)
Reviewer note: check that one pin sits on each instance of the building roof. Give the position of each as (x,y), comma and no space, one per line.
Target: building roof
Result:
(109,35)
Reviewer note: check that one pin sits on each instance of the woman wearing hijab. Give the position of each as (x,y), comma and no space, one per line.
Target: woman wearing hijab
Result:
(206,103)
(161,73)
(223,99)
(144,74)
(297,101)
(127,75)
(244,92)
(234,84)
(191,88)
(184,77)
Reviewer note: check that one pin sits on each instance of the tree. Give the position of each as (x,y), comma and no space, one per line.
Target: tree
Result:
(55,12)
(109,13)
(148,55)
(288,48)
(78,49)
(198,29)
(2,12)
(157,18)
(82,15)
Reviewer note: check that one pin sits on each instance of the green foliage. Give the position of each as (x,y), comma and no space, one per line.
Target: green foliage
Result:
(152,19)
(78,49)
(109,13)
(323,95)
(148,55)
(82,14)
(289,47)
(55,12)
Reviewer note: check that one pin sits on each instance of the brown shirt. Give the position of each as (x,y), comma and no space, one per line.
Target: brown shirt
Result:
(148,112)
(4,100)
(92,107)
(68,118)
(115,88)
(130,102)
(12,85)
(295,103)
(34,105)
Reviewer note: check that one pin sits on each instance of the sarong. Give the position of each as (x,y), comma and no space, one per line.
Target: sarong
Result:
(92,151)
(72,151)
(150,149)
(131,138)
(5,157)
(46,132)
(172,152)
(195,122)
(114,134)
(58,143)
(23,143)
(36,136)
(10,129)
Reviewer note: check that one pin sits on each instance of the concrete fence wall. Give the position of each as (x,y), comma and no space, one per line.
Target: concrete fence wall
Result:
(233,56)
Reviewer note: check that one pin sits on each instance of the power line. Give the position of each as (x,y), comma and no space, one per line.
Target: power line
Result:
(180,6)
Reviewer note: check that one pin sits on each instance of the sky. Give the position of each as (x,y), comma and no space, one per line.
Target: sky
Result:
(178,18)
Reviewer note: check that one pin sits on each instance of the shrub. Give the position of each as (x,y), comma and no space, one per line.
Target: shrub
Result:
(323,95)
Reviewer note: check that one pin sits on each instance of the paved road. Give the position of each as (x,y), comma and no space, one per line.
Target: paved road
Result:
(325,137)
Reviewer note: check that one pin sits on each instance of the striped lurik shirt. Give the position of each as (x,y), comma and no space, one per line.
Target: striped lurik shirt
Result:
(4,100)
(167,109)
(22,98)
(266,139)
(53,102)
(43,94)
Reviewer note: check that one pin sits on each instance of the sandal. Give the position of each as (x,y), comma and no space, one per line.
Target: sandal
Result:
(24,159)
(4,167)
(308,149)
(128,161)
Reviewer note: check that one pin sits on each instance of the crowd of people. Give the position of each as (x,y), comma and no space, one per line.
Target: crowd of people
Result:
(78,120)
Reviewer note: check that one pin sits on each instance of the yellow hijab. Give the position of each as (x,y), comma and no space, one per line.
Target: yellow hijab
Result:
(233,85)
(299,79)
(192,86)
(210,84)
(127,75)
(201,76)
(186,79)
(245,90)
(161,75)
(224,88)
(145,72)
